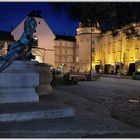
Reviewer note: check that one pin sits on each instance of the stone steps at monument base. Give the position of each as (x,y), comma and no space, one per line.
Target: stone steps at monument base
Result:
(33,111)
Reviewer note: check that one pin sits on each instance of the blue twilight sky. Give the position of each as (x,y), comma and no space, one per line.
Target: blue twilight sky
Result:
(12,13)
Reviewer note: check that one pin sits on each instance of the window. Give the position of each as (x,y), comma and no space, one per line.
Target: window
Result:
(65,59)
(93,49)
(35,41)
(77,59)
(93,29)
(65,51)
(113,47)
(88,40)
(81,40)
(108,48)
(93,41)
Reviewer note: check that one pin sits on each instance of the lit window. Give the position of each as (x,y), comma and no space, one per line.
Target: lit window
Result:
(81,40)
(35,41)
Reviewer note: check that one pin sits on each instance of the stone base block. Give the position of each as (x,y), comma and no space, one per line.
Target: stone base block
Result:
(44,89)
(15,95)
(45,78)
(18,83)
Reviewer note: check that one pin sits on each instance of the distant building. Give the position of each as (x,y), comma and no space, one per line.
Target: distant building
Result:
(6,39)
(84,43)
(44,36)
(65,53)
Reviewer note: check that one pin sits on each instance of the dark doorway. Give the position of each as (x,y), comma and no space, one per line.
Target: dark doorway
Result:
(109,69)
(97,67)
(131,69)
(106,70)
(117,69)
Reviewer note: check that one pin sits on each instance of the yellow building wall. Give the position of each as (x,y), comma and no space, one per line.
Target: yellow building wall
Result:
(108,49)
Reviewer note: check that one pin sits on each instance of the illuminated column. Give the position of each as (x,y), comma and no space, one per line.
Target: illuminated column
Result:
(136,49)
(120,71)
(114,54)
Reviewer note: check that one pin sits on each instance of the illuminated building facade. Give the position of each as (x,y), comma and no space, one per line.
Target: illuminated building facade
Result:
(110,53)
(65,53)
(84,47)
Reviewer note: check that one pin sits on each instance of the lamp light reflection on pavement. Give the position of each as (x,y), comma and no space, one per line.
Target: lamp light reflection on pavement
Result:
(133,101)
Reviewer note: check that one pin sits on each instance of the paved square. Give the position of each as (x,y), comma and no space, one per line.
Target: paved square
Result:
(120,96)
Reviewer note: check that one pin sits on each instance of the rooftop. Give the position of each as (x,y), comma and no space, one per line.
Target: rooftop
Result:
(65,37)
(35,13)
(6,36)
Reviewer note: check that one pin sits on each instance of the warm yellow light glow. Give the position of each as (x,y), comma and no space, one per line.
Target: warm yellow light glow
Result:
(88,67)
(77,59)
(35,38)
(138,69)
(111,53)
(38,58)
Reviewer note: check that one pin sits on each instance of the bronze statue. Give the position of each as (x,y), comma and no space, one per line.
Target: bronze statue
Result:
(21,49)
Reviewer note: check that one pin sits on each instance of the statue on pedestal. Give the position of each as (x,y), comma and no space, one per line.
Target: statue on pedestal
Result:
(21,49)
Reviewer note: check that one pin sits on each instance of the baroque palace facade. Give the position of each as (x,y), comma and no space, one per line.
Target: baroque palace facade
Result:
(110,53)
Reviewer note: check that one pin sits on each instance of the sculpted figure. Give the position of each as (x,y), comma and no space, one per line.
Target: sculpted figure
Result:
(21,49)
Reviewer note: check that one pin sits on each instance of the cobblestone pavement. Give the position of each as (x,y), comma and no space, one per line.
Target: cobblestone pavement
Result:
(120,96)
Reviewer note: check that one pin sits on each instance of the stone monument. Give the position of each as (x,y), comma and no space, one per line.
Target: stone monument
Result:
(21,78)
(22,81)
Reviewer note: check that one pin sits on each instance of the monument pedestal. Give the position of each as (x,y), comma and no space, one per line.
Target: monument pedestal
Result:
(18,83)
(45,78)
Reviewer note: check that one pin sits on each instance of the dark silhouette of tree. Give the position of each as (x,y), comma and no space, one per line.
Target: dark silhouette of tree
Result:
(103,15)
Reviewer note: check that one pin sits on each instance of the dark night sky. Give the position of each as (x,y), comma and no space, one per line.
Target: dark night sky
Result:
(12,13)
